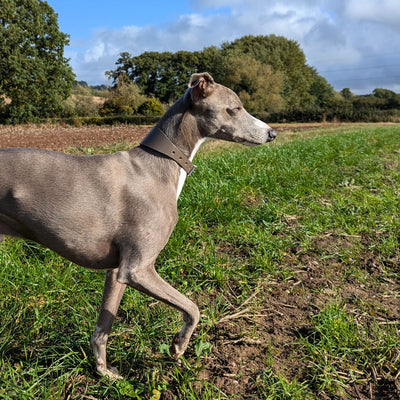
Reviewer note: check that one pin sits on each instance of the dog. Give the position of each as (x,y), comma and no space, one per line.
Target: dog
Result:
(116,212)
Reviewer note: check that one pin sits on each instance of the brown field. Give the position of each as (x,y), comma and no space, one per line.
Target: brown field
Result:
(61,137)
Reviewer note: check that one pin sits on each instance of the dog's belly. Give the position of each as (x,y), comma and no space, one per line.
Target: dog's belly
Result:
(103,254)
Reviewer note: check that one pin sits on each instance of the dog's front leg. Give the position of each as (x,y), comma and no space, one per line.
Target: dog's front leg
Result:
(113,291)
(146,280)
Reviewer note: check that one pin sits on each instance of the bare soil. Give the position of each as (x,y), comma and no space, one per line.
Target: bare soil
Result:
(242,342)
(61,137)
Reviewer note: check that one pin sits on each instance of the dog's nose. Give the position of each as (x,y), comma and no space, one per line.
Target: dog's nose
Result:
(271,134)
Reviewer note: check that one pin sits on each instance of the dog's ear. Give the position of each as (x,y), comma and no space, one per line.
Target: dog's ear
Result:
(202,85)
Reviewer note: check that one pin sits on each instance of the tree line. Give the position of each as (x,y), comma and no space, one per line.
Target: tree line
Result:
(269,73)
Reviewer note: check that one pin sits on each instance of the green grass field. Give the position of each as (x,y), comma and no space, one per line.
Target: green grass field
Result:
(291,251)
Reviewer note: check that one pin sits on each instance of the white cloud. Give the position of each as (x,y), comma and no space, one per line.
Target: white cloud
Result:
(95,52)
(385,12)
(334,34)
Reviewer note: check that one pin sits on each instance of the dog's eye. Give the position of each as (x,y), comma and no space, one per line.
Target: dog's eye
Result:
(233,111)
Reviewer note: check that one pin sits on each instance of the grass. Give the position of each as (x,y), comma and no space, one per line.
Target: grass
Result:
(302,233)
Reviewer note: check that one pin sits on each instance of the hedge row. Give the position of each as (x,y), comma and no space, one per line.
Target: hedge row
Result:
(110,120)
(319,115)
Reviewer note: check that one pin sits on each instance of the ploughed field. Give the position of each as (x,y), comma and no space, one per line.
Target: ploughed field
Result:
(62,137)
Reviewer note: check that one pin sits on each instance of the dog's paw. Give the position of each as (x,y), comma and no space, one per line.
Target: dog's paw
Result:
(110,372)
(178,347)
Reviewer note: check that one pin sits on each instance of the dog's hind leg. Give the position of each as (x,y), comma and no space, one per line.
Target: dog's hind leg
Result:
(146,280)
(113,291)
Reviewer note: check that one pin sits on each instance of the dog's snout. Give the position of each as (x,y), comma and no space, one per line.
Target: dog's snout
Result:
(271,134)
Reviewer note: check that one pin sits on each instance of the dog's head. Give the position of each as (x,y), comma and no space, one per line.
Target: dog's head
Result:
(220,113)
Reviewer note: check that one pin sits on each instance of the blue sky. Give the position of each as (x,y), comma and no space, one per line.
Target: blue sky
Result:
(80,17)
(352,43)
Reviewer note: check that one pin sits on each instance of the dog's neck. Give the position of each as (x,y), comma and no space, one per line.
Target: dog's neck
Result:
(180,127)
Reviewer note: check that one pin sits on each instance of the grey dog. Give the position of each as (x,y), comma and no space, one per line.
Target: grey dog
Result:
(116,212)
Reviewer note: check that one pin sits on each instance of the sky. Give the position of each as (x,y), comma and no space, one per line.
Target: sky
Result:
(352,43)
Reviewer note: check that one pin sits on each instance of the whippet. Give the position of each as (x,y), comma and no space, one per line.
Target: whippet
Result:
(116,212)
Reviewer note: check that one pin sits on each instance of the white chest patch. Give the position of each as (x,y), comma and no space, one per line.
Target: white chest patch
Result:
(182,178)
(182,175)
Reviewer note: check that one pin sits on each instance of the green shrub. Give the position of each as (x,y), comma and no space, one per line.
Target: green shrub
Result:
(151,106)
(109,120)
(125,98)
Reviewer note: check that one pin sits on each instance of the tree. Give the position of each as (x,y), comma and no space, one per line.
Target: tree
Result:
(321,90)
(143,70)
(282,55)
(163,75)
(35,78)
(212,60)
(347,94)
(175,72)
(392,99)
(125,98)
(256,84)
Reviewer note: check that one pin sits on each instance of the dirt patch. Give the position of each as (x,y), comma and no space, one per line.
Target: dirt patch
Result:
(60,138)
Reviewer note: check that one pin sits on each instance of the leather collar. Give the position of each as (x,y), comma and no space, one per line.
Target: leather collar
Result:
(157,140)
